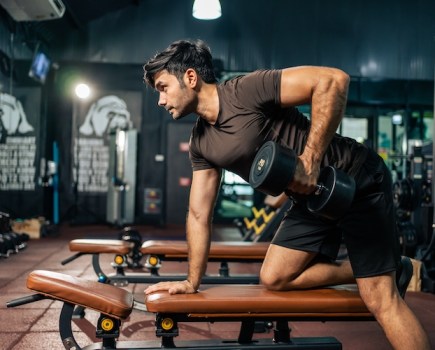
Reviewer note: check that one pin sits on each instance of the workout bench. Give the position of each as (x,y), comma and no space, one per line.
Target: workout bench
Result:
(225,303)
(157,251)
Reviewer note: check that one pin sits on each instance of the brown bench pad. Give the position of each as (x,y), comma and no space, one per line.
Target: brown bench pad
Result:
(104,298)
(218,301)
(255,300)
(171,249)
(218,250)
(101,246)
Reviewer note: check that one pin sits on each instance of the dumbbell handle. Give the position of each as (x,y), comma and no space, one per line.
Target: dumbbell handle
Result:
(319,189)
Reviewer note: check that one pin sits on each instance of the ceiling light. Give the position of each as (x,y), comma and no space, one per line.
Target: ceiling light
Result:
(82,91)
(206,9)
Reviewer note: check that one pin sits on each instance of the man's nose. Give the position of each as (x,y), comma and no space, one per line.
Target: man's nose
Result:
(162,101)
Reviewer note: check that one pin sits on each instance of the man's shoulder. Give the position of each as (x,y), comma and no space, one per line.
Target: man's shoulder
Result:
(256,74)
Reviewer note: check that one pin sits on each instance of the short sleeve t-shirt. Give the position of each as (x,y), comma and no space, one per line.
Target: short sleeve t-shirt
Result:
(249,115)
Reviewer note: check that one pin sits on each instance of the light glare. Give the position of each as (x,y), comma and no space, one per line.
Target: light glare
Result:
(82,91)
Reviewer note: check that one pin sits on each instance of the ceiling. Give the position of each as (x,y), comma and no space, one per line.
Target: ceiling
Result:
(78,13)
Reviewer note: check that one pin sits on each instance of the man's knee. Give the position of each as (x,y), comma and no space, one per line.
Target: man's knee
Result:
(378,295)
(282,266)
(373,303)
(274,280)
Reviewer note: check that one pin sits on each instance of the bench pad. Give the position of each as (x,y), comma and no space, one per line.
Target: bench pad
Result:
(255,300)
(217,301)
(104,298)
(101,246)
(218,250)
(171,249)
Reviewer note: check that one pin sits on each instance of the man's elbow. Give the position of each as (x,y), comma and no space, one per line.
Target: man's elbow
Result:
(341,78)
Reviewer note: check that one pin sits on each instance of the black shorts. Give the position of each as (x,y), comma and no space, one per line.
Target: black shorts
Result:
(368,228)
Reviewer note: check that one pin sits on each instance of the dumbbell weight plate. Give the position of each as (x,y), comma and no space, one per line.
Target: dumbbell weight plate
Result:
(272,169)
(335,197)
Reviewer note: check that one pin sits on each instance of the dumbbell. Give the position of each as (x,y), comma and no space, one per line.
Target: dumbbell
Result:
(3,249)
(273,170)
(8,246)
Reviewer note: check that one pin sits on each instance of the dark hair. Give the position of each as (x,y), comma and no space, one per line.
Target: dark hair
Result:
(180,56)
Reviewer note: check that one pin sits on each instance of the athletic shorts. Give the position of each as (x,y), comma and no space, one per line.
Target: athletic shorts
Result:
(368,228)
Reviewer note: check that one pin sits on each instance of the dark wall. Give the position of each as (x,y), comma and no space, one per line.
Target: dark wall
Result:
(105,77)
(153,171)
(384,39)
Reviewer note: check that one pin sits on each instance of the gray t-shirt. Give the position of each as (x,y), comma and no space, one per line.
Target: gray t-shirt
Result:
(249,115)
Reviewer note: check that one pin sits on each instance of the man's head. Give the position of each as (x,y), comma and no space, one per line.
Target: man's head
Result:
(180,56)
(178,74)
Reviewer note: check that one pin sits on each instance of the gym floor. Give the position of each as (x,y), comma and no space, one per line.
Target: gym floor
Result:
(30,325)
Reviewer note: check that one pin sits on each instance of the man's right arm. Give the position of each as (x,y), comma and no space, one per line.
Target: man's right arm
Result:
(326,90)
(203,193)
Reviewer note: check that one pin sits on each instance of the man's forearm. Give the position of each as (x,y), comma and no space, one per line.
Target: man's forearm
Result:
(328,106)
(198,240)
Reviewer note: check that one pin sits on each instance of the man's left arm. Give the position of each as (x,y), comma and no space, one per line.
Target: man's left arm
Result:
(326,90)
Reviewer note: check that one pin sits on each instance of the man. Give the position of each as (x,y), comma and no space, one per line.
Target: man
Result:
(235,119)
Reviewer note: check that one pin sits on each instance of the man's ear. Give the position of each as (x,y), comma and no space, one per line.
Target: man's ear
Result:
(191,78)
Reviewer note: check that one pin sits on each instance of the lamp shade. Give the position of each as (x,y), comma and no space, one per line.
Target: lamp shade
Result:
(206,9)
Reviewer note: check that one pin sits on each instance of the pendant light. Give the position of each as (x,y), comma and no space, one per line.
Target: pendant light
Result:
(206,9)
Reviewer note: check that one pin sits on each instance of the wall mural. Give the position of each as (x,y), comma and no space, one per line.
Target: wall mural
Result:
(18,144)
(94,120)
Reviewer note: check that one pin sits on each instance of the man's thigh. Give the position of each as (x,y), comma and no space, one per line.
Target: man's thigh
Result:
(300,230)
(285,263)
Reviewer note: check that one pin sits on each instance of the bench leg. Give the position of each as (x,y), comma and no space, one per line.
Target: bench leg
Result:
(167,329)
(96,265)
(108,330)
(65,329)
(281,333)
(79,312)
(246,331)
(224,270)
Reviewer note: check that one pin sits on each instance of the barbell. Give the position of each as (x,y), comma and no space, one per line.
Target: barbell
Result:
(273,170)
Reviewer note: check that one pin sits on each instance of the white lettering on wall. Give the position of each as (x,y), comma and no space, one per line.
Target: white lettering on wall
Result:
(93,164)
(17,163)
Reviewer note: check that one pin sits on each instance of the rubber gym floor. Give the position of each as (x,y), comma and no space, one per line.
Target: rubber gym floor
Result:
(34,326)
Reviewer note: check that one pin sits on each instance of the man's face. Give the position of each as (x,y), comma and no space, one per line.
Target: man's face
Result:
(178,99)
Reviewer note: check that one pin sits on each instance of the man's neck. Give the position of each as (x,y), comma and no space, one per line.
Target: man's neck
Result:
(208,103)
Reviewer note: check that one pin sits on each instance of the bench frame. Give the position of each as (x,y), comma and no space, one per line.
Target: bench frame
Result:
(108,334)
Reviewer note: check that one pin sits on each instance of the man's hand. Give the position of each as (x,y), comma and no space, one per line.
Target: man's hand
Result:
(305,177)
(177,287)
